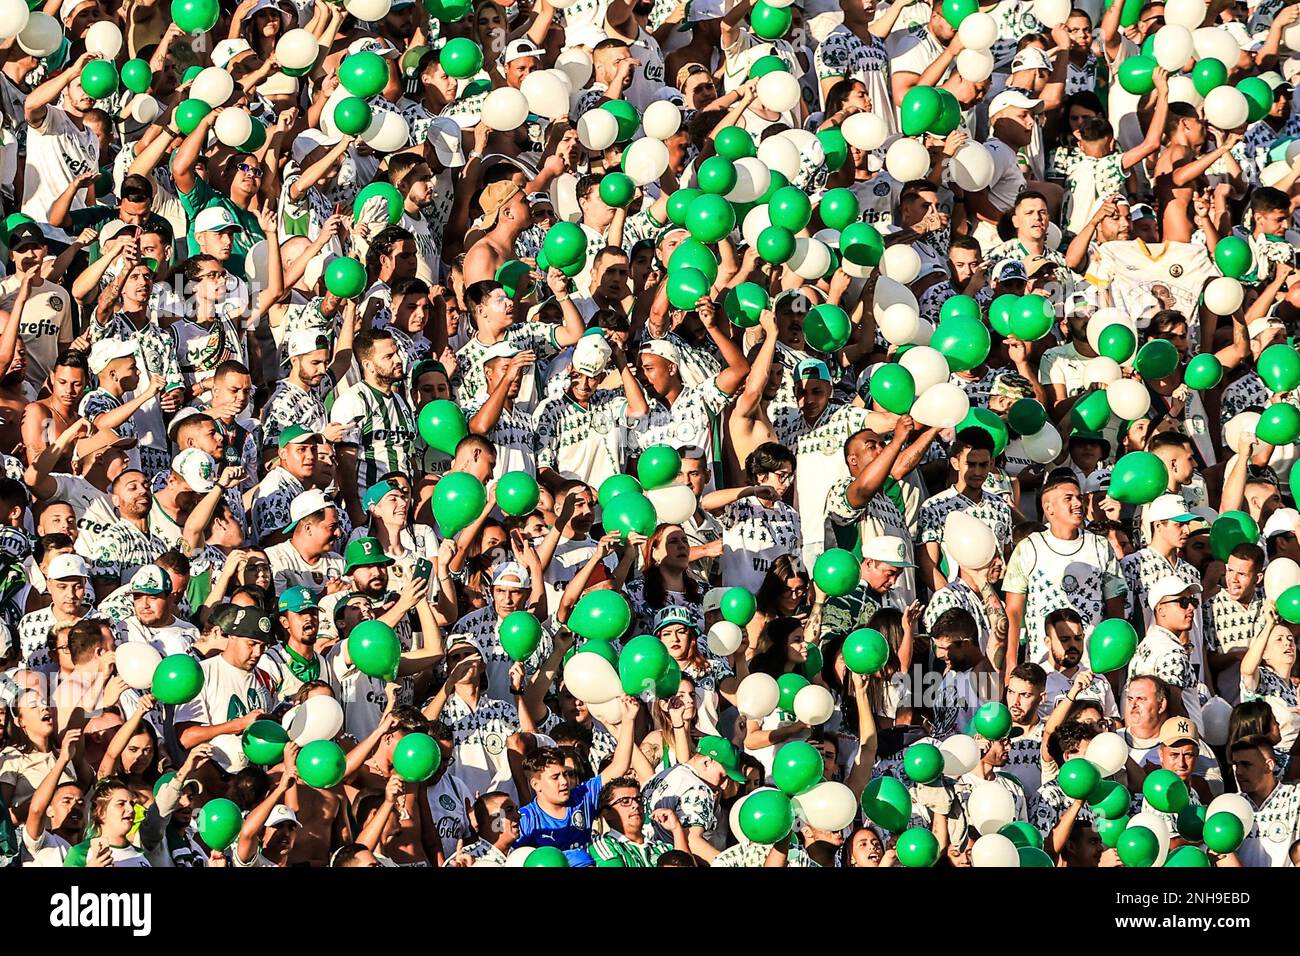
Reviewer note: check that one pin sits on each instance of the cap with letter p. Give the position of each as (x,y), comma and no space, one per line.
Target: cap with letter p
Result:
(364,552)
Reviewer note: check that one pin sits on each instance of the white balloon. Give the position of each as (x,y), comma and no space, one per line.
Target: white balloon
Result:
(296,49)
(661,119)
(1052,13)
(969,541)
(757,696)
(41,36)
(1044,446)
(519,855)
(105,38)
(1235,804)
(865,131)
(144,108)
(370,11)
(1183,90)
(577,66)
(1226,107)
(13,18)
(813,705)
(547,93)
(755,221)
(1281,574)
(597,129)
(724,638)
(591,679)
(1224,295)
(778,91)
(811,258)
(563,78)
(899,323)
(1108,753)
(780,155)
(1242,423)
(1128,398)
(213,86)
(1274,173)
(888,292)
(136,662)
(1215,43)
(316,718)
(673,503)
(1159,825)
(993,849)
(808,145)
(645,160)
(1189,14)
(1215,714)
(924,332)
(233,127)
(781,3)
(1291,37)
(990,806)
(901,263)
(978,31)
(975,66)
(752,180)
(1054,236)
(387,133)
(943,405)
(907,159)
(1172,46)
(928,367)
(827,806)
(961,754)
(972,167)
(506,109)
(853,270)
(257,264)
(610,713)
(1101,371)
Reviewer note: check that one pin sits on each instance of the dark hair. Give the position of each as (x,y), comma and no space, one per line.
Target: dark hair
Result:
(913,189)
(136,188)
(1031,672)
(955,622)
(1177,113)
(770,658)
(1027,195)
(618,783)
(174,562)
(1062,615)
(541,758)
(476,293)
(364,344)
(83,638)
(677,858)
(382,245)
(968,243)
(58,541)
(347,855)
(412,286)
(1095,129)
(585,185)
(971,439)
(1068,736)
(231,367)
(1250,718)
(1252,742)
(1159,687)
(1247,551)
(1058,477)
(766,458)
(192,266)
(72,358)
(1269,199)
(839,93)
(1168,439)
(13,494)
(782,569)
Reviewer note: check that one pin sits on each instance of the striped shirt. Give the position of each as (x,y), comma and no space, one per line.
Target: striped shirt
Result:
(383,428)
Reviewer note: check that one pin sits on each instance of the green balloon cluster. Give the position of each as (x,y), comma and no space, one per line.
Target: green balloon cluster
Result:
(392,201)
(461,58)
(923,763)
(642,664)
(99,79)
(1027,416)
(364,74)
(1137,74)
(1078,778)
(826,328)
(769,22)
(1156,359)
(1233,256)
(564,244)
(738,606)
(917,847)
(548,857)
(1165,791)
(1279,367)
(963,340)
(928,109)
(195,16)
(1279,424)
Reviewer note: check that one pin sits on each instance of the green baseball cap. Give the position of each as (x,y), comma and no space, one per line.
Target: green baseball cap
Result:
(363,552)
(376,492)
(295,434)
(724,753)
(297,598)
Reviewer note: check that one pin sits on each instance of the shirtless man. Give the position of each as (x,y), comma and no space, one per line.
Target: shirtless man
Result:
(370,772)
(323,825)
(505,216)
(749,425)
(54,414)
(1180,166)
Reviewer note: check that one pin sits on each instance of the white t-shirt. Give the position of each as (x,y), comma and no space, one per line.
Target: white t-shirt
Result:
(47,320)
(228,693)
(174,638)
(58,151)
(291,569)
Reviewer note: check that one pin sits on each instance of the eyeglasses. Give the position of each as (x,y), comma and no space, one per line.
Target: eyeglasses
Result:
(251,170)
(219,274)
(625,801)
(1184,602)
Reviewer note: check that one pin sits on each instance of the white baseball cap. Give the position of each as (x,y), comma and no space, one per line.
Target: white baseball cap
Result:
(887,549)
(1170,586)
(511,574)
(591,355)
(503,349)
(106,351)
(1008,99)
(278,84)
(1281,521)
(215,219)
(306,341)
(713,599)
(664,349)
(373,45)
(282,814)
(1169,508)
(65,566)
(1030,58)
(198,468)
(225,51)
(518,49)
(308,503)
(228,753)
(308,140)
(444,136)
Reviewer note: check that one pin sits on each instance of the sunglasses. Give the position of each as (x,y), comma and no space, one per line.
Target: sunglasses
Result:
(1184,602)
(251,170)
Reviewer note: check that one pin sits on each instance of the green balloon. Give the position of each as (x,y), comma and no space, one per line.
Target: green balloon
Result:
(992,721)
(789,685)
(827,328)
(669,681)
(1223,832)
(442,425)
(363,74)
(839,208)
(1110,830)
(717,175)
(790,209)
(732,142)
(893,388)
(1092,412)
(797,767)
(626,115)
(1138,478)
(1033,318)
(448,11)
(99,79)
(1117,342)
(1279,367)
(949,117)
(1111,645)
(1022,834)
(1031,857)
(616,485)
(836,572)
(1156,359)
(1027,416)
(1233,256)
(1279,424)
(601,616)
(923,763)
(1001,311)
(632,513)
(517,493)
(190,73)
(776,182)
(1165,791)
(1138,847)
(458,500)
(835,146)
(195,16)
(738,606)
(766,816)
(659,465)
(920,109)
(375,649)
(760,67)
(189,114)
(1203,372)
(768,22)
(989,422)
(917,847)
(886,803)
(1109,800)
(955,11)
(775,244)
(960,306)
(220,822)
(1229,530)
(564,244)
(813,663)
(256,137)
(321,764)
(520,635)
(177,679)
(416,757)
(963,341)
(745,303)
(352,116)
(392,199)
(1259,98)
(547,856)
(1288,604)
(1208,74)
(461,58)
(686,287)
(691,253)
(1136,74)
(1078,778)
(710,218)
(263,742)
(865,651)
(1191,823)
(1192,856)
(617,190)
(679,204)
(603,648)
(345,277)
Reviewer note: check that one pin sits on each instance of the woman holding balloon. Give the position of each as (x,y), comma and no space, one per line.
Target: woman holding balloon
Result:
(664,581)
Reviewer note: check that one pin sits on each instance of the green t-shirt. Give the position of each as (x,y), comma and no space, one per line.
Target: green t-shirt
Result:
(250,234)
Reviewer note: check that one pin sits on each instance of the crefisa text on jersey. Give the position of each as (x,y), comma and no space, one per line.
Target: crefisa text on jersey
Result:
(89,910)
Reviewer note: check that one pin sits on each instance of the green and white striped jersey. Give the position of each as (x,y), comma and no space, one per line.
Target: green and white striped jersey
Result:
(382,427)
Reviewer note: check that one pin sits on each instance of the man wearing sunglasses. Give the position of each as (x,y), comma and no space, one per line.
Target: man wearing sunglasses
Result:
(1168,651)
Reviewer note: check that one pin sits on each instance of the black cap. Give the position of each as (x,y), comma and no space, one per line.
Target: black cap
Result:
(238,620)
(26,234)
